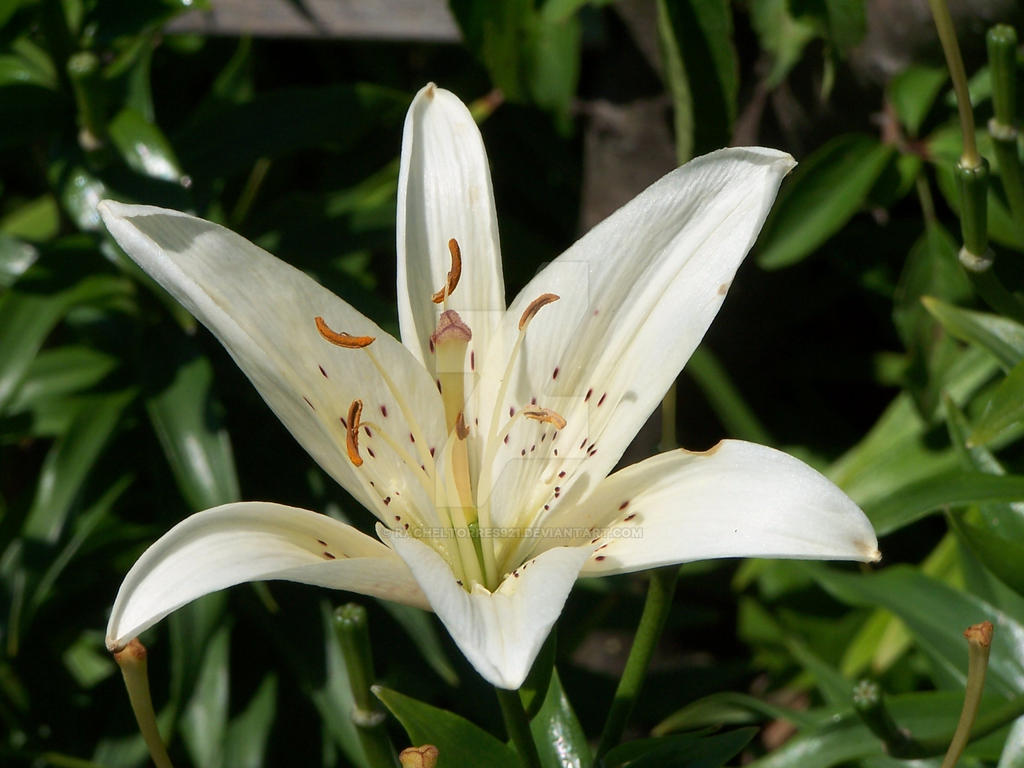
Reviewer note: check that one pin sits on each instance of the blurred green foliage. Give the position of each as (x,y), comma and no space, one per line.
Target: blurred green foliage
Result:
(853,339)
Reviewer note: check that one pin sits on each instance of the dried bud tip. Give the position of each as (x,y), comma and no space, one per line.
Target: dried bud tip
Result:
(419,757)
(980,634)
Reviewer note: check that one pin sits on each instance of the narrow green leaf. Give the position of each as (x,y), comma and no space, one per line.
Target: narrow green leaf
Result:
(69,462)
(497,34)
(15,258)
(728,708)
(781,35)
(912,93)
(1004,410)
(1001,336)
(187,421)
(953,488)
(245,745)
(554,67)
(701,70)
(1013,751)
(143,146)
(688,750)
(936,614)
(35,221)
(825,191)
(204,719)
(459,742)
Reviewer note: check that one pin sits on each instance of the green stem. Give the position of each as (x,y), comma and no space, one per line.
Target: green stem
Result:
(518,727)
(725,399)
(988,286)
(947,36)
(351,628)
(660,591)
(1010,170)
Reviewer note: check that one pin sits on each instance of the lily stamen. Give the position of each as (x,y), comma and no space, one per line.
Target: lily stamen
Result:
(544,414)
(534,307)
(346,340)
(453,274)
(352,432)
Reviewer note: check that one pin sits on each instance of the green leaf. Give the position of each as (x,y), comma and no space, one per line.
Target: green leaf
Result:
(459,742)
(245,744)
(953,488)
(897,450)
(781,35)
(936,614)
(846,739)
(36,221)
(15,258)
(204,719)
(69,463)
(688,750)
(557,733)
(701,71)
(728,708)
(993,532)
(1001,336)
(187,421)
(554,67)
(931,268)
(59,372)
(825,191)
(1003,412)
(498,35)
(143,146)
(912,93)
(1013,751)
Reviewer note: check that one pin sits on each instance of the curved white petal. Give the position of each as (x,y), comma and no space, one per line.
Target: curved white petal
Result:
(736,500)
(500,632)
(253,541)
(637,294)
(444,192)
(263,310)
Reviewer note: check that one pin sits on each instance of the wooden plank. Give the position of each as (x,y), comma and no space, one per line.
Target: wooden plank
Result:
(428,20)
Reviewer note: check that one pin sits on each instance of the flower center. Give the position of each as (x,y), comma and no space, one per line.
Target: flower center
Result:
(458,480)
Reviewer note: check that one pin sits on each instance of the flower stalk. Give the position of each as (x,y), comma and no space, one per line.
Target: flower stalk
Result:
(1002,58)
(132,661)
(979,643)
(947,36)
(350,626)
(518,727)
(660,591)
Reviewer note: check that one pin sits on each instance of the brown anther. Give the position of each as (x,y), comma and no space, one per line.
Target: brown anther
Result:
(346,340)
(352,433)
(461,430)
(534,307)
(453,274)
(544,414)
(450,328)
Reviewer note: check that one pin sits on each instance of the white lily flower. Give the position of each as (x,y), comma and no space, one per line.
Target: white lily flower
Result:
(483,439)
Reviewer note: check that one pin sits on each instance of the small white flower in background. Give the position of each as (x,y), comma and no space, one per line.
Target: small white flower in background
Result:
(483,439)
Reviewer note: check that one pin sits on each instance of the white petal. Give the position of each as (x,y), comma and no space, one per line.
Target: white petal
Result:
(253,541)
(262,310)
(444,192)
(500,632)
(637,294)
(736,500)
